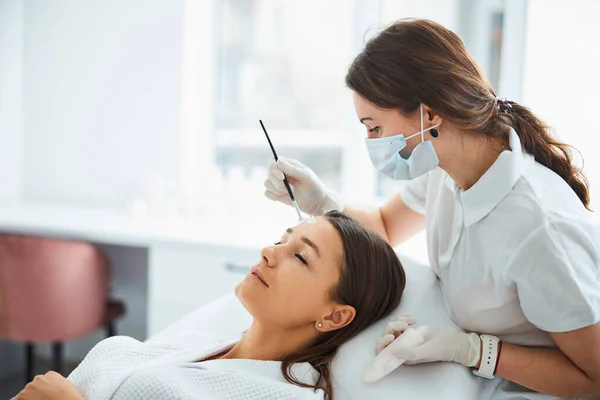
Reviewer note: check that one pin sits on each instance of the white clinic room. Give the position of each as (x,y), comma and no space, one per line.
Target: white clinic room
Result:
(299,199)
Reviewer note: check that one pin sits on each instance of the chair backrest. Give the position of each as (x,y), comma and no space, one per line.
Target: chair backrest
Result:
(50,290)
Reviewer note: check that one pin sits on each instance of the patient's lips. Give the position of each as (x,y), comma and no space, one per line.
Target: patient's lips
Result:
(255,272)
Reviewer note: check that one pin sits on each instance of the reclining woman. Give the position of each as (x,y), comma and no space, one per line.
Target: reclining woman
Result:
(311,292)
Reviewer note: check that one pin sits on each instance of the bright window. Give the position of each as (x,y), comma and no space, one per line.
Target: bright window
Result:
(284,62)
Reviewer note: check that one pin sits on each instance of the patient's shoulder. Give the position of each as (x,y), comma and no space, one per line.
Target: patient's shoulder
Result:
(112,357)
(118,352)
(126,345)
(116,343)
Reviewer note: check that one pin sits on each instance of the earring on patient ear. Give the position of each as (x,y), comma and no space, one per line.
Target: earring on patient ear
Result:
(434,132)
(319,325)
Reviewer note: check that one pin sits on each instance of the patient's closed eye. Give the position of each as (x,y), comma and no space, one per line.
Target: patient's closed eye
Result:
(302,259)
(297,255)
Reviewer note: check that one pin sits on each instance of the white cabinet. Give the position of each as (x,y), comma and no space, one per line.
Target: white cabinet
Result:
(182,278)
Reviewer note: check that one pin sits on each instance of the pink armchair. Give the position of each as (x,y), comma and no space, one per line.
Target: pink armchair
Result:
(53,291)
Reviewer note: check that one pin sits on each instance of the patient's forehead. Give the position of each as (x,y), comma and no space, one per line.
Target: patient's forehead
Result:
(321,232)
(312,225)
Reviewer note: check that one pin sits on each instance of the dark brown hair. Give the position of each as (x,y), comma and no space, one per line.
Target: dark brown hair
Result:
(371,280)
(419,61)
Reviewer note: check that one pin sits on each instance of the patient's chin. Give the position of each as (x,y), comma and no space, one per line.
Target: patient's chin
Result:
(247,296)
(241,291)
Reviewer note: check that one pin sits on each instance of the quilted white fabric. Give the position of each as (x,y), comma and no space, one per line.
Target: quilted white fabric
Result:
(122,368)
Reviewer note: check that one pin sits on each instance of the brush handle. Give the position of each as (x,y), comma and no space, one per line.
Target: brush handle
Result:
(285,181)
(287,186)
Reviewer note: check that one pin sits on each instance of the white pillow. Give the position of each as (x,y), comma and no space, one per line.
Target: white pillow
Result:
(422,299)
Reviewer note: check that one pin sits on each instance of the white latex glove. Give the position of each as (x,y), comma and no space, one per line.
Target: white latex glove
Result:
(443,345)
(394,329)
(310,192)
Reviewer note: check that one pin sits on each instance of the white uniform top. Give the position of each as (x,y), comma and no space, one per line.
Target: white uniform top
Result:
(517,254)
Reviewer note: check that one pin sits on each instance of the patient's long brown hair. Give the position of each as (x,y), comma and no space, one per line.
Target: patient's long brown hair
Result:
(416,61)
(371,280)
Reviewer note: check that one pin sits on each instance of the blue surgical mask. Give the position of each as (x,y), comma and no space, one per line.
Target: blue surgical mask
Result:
(386,158)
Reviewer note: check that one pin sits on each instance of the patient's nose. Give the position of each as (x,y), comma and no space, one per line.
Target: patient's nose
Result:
(269,256)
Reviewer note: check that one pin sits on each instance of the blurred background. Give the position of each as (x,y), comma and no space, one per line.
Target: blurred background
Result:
(134,124)
(153,106)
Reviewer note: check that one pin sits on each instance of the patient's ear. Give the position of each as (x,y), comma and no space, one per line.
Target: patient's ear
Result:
(341,316)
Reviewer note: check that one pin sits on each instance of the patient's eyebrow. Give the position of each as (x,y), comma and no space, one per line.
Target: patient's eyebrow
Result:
(362,120)
(312,244)
(307,241)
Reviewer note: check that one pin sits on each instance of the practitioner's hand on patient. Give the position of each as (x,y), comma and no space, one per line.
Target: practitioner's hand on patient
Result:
(310,192)
(443,345)
(51,386)
(394,329)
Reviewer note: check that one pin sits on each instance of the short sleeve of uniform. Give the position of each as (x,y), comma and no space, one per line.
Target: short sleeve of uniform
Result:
(414,193)
(556,274)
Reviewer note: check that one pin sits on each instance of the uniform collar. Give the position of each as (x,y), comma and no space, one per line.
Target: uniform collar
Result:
(494,185)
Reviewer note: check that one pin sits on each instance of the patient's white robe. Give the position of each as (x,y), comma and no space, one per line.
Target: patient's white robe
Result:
(122,368)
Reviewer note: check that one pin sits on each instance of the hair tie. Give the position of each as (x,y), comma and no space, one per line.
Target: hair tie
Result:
(503,104)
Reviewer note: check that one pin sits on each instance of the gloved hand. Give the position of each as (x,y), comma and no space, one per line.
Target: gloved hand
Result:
(394,329)
(443,345)
(310,192)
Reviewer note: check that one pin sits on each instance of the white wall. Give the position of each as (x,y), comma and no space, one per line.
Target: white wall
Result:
(561,82)
(102,98)
(90,109)
(102,113)
(11,123)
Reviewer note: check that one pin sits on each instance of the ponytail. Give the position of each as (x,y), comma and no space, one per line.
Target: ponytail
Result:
(537,140)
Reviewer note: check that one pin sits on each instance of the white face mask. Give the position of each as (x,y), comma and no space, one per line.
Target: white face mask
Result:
(385,155)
